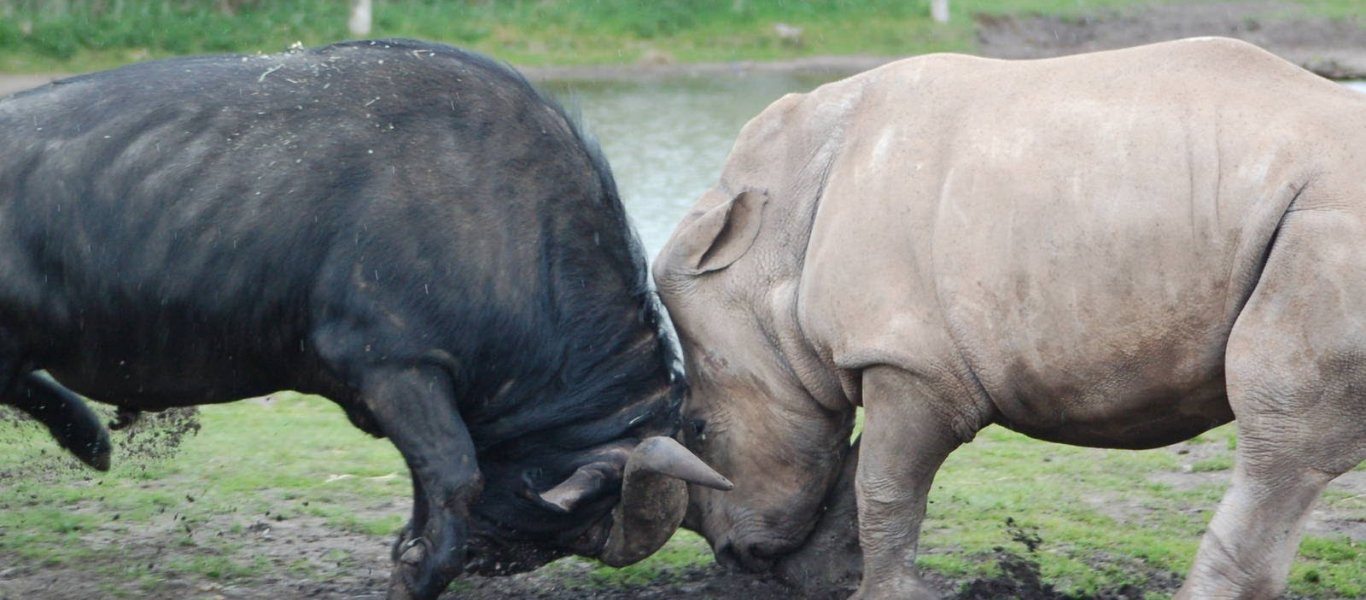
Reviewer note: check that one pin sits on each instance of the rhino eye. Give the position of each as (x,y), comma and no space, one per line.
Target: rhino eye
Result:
(698,428)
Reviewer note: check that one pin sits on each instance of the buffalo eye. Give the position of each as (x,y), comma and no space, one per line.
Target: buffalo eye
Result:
(698,428)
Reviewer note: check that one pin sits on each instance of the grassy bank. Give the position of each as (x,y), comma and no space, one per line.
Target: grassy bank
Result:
(80,35)
(287,490)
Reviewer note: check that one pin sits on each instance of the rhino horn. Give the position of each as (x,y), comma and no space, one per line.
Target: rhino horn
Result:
(654,497)
(659,455)
(665,456)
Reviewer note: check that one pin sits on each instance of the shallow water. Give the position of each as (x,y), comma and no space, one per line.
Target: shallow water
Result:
(667,139)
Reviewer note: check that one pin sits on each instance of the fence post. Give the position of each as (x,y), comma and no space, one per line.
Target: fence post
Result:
(360,17)
(939,10)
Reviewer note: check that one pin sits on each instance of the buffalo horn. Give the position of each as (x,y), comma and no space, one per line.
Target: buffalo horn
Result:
(654,498)
(585,481)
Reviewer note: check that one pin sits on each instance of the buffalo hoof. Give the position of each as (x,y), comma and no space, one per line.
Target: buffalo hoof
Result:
(94,449)
(402,542)
(406,581)
(99,460)
(67,417)
(414,554)
(421,571)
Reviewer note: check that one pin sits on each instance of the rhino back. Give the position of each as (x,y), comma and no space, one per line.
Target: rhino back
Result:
(1073,238)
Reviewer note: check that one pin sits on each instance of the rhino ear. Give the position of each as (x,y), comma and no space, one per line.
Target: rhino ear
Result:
(722,234)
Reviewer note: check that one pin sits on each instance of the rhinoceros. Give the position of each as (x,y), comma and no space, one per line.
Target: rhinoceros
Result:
(1121,249)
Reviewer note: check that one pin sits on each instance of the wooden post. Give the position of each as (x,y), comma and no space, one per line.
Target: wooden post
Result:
(939,10)
(360,17)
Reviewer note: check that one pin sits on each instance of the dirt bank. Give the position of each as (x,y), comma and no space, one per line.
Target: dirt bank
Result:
(1333,48)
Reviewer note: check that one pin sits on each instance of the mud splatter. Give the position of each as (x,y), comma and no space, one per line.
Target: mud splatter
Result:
(152,438)
(1020,577)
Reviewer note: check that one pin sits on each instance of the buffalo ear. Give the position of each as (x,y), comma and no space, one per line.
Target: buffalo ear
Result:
(722,234)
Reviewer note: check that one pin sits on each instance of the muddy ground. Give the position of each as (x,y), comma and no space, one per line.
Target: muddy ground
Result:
(355,565)
(347,565)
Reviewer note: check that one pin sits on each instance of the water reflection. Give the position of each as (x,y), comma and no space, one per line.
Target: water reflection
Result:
(667,139)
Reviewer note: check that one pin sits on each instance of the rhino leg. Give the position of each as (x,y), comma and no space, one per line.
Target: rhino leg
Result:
(1296,373)
(415,408)
(71,422)
(906,436)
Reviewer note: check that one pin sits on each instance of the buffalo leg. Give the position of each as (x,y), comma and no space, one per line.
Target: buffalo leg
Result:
(905,439)
(66,416)
(415,524)
(415,409)
(1296,373)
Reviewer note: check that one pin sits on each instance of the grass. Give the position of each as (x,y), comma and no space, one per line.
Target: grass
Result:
(1104,514)
(253,464)
(1105,517)
(82,35)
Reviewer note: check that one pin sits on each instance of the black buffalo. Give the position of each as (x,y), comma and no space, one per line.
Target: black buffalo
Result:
(408,229)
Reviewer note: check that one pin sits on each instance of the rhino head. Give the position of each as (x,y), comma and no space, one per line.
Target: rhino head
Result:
(748,412)
(764,406)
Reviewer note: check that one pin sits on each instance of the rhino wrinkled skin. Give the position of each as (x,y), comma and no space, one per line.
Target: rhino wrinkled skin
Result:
(1120,249)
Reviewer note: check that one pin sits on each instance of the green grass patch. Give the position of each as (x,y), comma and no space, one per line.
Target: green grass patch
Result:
(1218,463)
(1105,517)
(684,550)
(254,464)
(82,35)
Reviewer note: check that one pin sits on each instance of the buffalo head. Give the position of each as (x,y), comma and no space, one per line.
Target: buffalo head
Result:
(620,505)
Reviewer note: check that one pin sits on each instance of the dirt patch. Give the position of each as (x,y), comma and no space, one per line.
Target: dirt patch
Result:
(706,582)
(14,83)
(295,558)
(1332,48)
(1020,577)
(1328,519)
(305,558)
